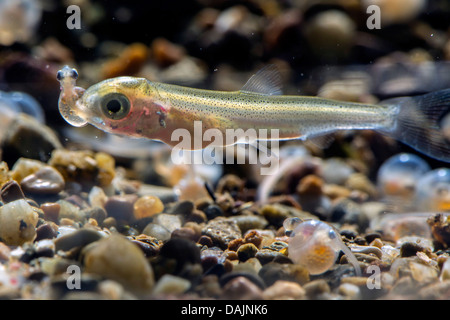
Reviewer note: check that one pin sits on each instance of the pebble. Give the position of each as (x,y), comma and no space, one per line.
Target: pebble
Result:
(28,138)
(169,221)
(445,270)
(241,288)
(120,207)
(221,231)
(147,206)
(78,238)
(46,180)
(117,258)
(18,223)
(273,271)
(284,290)
(128,63)
(170,284)
(85,167)
(277,213)
(248,222)
(11,191)
(157,231)
(315,288)
(247,251)
(51,211)
(70,211)
(182,251)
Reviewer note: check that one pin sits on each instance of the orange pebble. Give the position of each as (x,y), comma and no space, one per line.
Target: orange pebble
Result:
(147,206)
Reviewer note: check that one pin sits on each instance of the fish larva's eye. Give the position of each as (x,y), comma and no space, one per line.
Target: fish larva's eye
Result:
(115,106)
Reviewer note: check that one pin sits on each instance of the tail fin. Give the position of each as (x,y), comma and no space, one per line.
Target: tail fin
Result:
(418,123)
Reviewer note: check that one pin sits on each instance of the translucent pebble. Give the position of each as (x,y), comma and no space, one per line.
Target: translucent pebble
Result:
(316,246)
(433,190)
(398,176)
(147,206)
(22,102)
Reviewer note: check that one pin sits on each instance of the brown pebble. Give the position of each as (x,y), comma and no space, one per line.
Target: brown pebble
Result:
(316,287)
(46,231)
(247,251)
(186,233)
(129,61)
(310,185)
(205,241)
(46,180)
(253,237)
(166,53)
(120,207)
(240,288)
(234,244)
(109,222)
(51,211)
(11,191)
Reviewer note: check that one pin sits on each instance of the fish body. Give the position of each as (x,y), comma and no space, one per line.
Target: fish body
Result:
(137,107)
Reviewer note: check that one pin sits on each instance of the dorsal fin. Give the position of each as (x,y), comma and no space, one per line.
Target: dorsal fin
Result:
(266,81)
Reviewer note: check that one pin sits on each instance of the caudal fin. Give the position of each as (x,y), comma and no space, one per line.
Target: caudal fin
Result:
(418,123)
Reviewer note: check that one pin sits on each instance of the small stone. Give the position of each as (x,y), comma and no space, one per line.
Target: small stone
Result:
(240,288)
(24,167)
(70,211)
(46,231)
(117,258)
(273,271)
(26,137)
(248,222)
(247,251)
(182,251)
(276,213)
(445,270)
(213,211)
(166,53)
(5,252)
(316,288)
(79,238)
(51,211)
(18,223)
(11,191)
(97,213)
(422,273)
(85,167)
(186,233)
(46,180)
(310,185)
(147,206)
(169,221)
(436,291)
(97,197)
(120,207)
(350,291)
(129,62)
(222,230)
(157,231)
(284,290)
(358,181)
(183,208)
(170,284)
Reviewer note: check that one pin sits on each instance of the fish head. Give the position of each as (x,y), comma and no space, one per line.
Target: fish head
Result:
(123,105)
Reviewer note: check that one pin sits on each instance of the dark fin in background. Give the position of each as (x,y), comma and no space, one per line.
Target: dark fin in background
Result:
(418,123)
